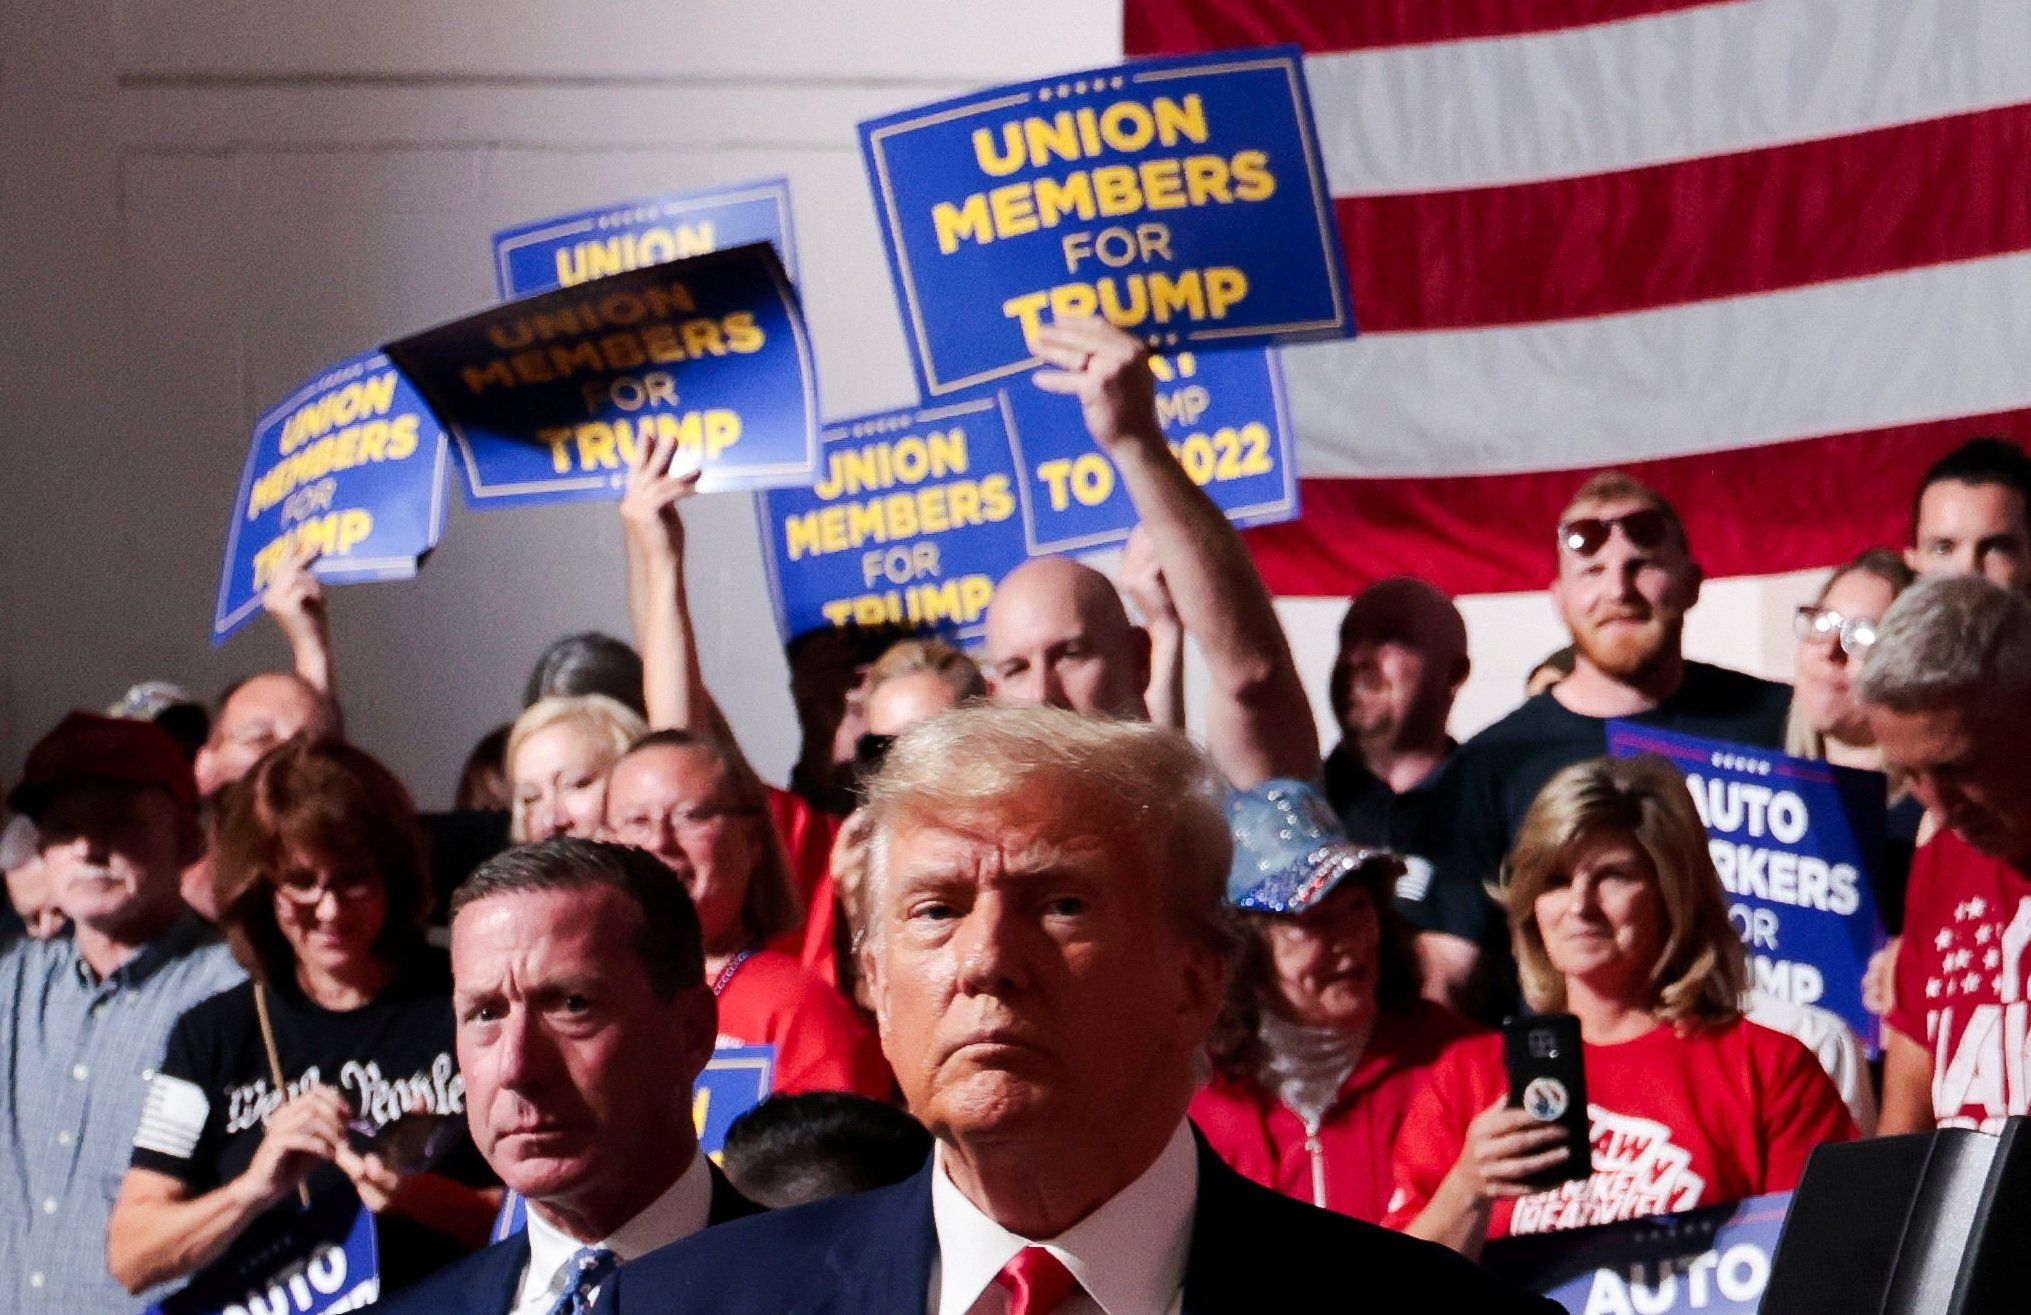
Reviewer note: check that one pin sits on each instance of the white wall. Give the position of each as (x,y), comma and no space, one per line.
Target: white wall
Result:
(204,200)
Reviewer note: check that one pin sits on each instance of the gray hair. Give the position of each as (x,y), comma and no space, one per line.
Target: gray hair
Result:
(1950,640)
(1150,785)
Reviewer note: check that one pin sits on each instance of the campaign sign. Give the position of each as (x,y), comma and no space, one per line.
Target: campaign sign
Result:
(1182,199)
(912,522)
(589,244)
(1223,414)
(735,1080)
(307,1262)
(1796,841)
(561,389)
(351,464)
(1714,1260)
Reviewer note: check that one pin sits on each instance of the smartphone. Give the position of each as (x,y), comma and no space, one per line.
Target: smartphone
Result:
(409,1144)
(1548,1078)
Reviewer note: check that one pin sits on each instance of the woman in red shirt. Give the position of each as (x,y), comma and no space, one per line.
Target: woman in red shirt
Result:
(1619,918)
(1324,1039)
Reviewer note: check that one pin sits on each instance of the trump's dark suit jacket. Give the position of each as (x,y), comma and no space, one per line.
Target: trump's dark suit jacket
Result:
(872,1253)
(486,1282)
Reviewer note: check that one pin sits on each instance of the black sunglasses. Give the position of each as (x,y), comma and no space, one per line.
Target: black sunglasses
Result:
(870,749)
(1645,529)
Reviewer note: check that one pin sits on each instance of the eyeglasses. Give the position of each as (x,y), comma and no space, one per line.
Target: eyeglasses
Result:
(687,820)
(304,890)
(1823,625)
(1645,529)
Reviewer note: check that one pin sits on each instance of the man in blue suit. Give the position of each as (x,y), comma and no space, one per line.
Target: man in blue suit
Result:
(583,1019)
(1047,953)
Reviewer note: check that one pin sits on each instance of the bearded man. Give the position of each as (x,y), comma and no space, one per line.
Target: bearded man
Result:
(1626,578)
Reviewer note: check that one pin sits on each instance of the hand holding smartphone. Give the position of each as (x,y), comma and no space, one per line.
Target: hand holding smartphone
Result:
(1548,1080)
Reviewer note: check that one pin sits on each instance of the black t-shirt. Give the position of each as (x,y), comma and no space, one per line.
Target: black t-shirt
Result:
(1482,793)
(212,1094)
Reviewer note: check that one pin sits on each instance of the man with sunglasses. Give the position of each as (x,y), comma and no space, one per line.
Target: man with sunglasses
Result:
(1625,581)
(84,1017)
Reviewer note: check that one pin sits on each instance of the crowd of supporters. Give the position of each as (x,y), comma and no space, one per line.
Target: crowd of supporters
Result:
(229,977)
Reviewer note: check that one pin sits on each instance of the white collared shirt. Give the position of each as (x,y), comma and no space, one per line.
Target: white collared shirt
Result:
(679,1212)
(1129,1255)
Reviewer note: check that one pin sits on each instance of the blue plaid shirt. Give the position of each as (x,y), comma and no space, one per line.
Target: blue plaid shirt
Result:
(78,1055)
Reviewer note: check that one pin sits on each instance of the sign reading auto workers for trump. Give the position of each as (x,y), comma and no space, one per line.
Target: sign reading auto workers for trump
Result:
(1223,415)
(351,466)
(307,1262)
(568,250)
(1795,841)
(1182,199)
(1714,1260)
(710,353)
(912,522)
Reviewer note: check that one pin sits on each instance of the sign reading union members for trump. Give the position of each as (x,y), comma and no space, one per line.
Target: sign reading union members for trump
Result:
(588,244)
(306,1262)
(350,465)
(710,352)
(1182,199)
(1715,1260)
(1223,415)
(912,522)
(1795,841)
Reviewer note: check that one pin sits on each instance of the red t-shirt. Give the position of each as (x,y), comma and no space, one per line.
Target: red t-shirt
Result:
(807,835)
(1678,1122)
(1962,978)
(1261,1138)
(821,1043)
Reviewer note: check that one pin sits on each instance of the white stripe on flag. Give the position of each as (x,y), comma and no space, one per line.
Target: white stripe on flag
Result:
(1918,345)
(1704,81)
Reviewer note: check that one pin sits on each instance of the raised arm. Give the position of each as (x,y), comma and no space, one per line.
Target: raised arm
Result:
(673,684)
(1142,579)
(1258,719)
(295,598)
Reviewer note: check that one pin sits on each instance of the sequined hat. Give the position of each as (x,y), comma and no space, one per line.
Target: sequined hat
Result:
(1289,849)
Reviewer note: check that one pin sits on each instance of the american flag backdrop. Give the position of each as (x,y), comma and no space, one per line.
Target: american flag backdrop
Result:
(1772,256)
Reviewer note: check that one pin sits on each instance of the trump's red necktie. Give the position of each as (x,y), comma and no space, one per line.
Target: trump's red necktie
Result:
(1037,1282)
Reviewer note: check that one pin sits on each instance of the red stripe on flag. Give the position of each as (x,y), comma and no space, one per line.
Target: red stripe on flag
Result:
(1753,511)
(1755,221)
(1185,27)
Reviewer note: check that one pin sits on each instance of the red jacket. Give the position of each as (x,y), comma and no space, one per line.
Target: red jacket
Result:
(1345,1164)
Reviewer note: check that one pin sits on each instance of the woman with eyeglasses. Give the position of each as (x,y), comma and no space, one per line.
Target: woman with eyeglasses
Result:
(330,1074)
(1835,631)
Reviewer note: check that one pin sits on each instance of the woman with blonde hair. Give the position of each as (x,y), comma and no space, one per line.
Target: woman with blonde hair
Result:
(560,751)
(1619,918)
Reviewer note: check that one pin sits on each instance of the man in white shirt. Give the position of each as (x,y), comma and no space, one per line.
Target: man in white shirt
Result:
(583,1019)
(1047,953)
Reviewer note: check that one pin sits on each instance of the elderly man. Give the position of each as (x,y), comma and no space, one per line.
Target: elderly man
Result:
(1047,954)
(1948,689)
(1972,515)
(583,1020)
(83,1018)
(1057,633)
(1626,579)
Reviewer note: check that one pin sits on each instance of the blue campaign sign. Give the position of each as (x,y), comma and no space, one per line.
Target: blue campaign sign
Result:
(1223,413)
(735,1080)
(1182,199)
(351,464)
(912,522)
(567,250)
(1796,842)
(1714,1260)
(306,1262)
(559,389)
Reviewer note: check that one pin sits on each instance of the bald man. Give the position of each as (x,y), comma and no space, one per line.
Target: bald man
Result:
(1057,632)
